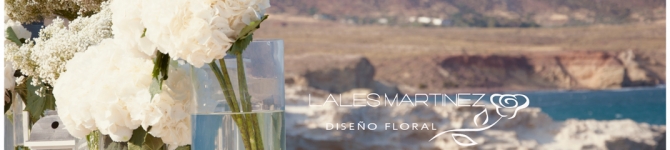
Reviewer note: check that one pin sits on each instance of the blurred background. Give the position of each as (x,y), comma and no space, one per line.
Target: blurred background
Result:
(589,67)
(444,45)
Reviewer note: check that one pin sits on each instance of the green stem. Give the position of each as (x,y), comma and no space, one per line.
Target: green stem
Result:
(242,82)
(245,97)
(246,107)
(247,122)
(232,102)
(228,85)
(160,70)
(241,125)
(254,119)
(222,78)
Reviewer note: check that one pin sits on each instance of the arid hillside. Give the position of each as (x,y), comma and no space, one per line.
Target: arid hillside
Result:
(478,12)
(416,59)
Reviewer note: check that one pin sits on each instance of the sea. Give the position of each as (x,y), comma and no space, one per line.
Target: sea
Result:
(644,104)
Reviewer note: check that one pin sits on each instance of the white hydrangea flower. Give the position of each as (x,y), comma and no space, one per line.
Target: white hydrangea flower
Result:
(106,88)
(44,58)
(127,25)
(242,12)
(168,113)
(186,31)
(197,31)
(99,85)
(9,76)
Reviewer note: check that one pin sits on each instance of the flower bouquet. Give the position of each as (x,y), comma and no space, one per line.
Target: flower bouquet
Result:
(125,68)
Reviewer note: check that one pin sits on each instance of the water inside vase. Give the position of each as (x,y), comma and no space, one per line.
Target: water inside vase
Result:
(218,131)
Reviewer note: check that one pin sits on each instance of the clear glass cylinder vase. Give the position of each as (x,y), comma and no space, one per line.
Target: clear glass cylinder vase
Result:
(251,116)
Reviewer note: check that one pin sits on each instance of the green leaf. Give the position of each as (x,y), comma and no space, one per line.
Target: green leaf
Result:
(249,29)
(21,147)
(142,140)
(246,36)
(165,65)
(161,66)
(159,73)
(36,104)
(144,32)
(11,35)
(185,147)
(152,143)
(155,87)
(136,141)
(117,146)
(22,90)
(10,116)
(240,45)
(157,65)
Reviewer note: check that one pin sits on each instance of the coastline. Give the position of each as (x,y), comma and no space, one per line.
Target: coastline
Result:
(449,60)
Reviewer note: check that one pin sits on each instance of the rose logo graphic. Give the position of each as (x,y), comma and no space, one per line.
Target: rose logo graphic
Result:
(504,104)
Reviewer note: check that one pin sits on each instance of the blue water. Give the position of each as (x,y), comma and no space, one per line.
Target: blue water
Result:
(646,104)
(638,104)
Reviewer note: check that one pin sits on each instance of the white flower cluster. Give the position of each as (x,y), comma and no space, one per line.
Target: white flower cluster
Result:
(168,113)
(99,86)
(197,31)
(88,5)
(9,76)
(28,11)
(44,57)
(21,33)
(106,88)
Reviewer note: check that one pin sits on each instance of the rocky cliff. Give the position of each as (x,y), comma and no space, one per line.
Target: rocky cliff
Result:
(333,74)
(486,73)
(336,74)
(588,70)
